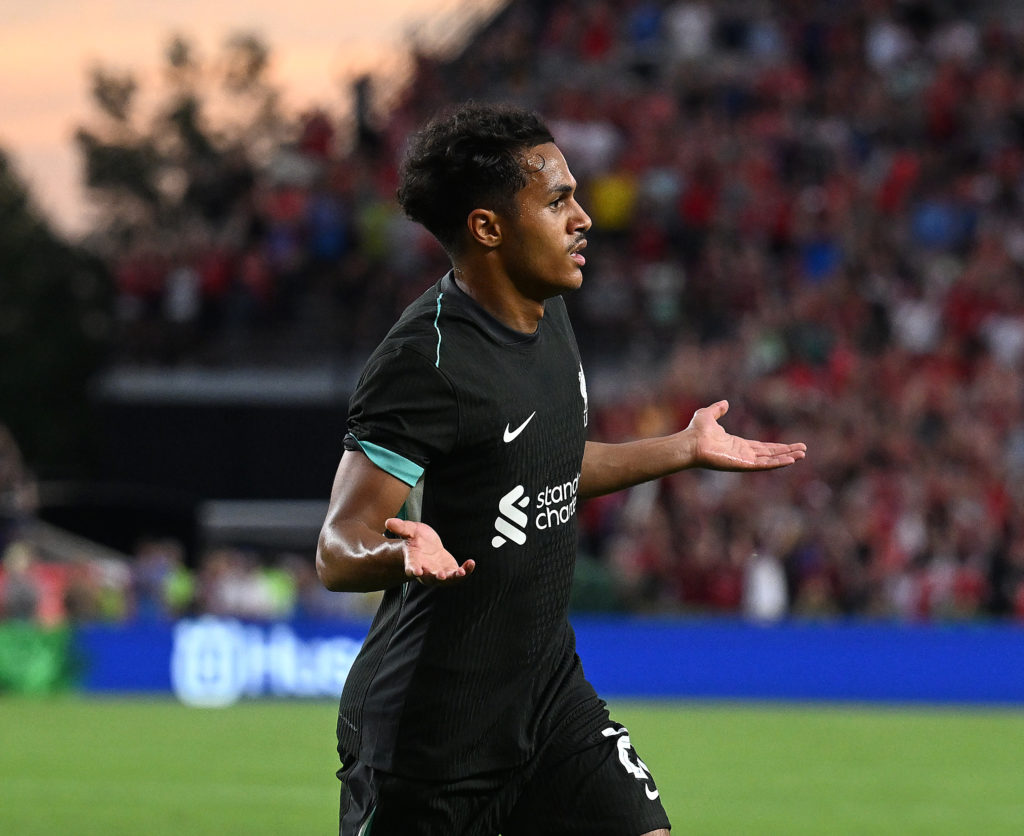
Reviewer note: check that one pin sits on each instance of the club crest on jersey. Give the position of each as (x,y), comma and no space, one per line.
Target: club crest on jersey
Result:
(553,506)
(583,392)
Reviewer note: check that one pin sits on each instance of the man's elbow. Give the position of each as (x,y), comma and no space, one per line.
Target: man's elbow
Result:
(327,569)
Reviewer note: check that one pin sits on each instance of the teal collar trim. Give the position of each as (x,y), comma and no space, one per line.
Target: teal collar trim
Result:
(437,362)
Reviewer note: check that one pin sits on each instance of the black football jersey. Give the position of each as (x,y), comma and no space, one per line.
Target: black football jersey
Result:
(487,426)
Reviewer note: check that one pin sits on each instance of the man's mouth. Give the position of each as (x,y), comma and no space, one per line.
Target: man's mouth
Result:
(575,254)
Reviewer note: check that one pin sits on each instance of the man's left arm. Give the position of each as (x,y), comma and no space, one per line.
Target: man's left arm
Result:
(704,443)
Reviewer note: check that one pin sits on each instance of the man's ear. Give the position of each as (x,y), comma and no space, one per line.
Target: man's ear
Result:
(484,227)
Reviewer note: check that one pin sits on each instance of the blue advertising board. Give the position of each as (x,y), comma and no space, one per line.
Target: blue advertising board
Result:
(217,661)
(839,661)
(213,661)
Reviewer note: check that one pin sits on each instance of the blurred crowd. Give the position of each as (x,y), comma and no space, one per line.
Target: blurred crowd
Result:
(55,580)
(812,208)
(156,583)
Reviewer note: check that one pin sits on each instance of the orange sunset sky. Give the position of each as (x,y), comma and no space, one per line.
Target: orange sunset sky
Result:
(48,46)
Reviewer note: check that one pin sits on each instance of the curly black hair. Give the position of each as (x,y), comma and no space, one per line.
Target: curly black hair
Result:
(467,158)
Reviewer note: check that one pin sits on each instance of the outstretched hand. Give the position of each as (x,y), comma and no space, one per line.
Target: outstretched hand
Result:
(715,449)
(426,559)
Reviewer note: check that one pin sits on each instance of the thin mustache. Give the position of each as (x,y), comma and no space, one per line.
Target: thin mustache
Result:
(580,239)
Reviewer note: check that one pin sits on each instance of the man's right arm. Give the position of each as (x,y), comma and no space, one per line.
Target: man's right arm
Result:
(353,553)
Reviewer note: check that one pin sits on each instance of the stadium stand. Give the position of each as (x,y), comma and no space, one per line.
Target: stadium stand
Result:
(810,208)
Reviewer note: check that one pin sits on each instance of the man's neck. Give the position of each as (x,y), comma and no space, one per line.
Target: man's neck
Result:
(502,301)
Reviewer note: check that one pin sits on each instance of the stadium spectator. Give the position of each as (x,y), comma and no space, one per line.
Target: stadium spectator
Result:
(236,582)
(21,591)
(162,585)
(19,493)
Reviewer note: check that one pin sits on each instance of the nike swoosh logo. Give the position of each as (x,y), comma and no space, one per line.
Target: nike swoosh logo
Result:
(511,435)
(651,794)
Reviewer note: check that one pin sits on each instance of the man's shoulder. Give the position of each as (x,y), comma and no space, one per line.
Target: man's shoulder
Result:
(414,329)
(556,313)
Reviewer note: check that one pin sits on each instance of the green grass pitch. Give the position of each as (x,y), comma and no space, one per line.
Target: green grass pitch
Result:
(152,767)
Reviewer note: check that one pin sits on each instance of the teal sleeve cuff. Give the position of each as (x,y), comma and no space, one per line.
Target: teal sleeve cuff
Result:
(398,466)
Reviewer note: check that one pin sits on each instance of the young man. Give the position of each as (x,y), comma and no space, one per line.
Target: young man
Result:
(467,712)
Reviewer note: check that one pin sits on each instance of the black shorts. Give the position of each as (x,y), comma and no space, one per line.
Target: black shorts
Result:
(585,780)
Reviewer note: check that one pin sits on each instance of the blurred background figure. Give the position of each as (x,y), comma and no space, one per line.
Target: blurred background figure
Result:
(21,593)
(19,496)
(765,597)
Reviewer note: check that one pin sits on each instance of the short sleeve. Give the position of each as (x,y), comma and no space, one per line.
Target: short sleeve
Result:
(403,414)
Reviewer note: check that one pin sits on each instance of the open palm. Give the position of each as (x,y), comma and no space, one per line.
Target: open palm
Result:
(716,449)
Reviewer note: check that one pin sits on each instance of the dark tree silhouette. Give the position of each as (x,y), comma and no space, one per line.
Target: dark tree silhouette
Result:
(190,157)
(55,325)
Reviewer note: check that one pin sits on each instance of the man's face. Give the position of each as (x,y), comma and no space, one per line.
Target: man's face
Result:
(541,245)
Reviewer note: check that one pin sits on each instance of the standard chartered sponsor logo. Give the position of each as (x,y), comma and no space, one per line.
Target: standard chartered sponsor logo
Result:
(556,504)
(553,506)
(511,520)
(216,662)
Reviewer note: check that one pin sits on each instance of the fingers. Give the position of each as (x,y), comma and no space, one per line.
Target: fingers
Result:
(715,410)
(449,575)
(442,577)
(403,528)
(463,571)
(779,455)
(795,451)
(776,449)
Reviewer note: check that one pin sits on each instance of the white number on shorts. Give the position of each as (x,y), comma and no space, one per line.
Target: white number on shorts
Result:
(630,760)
